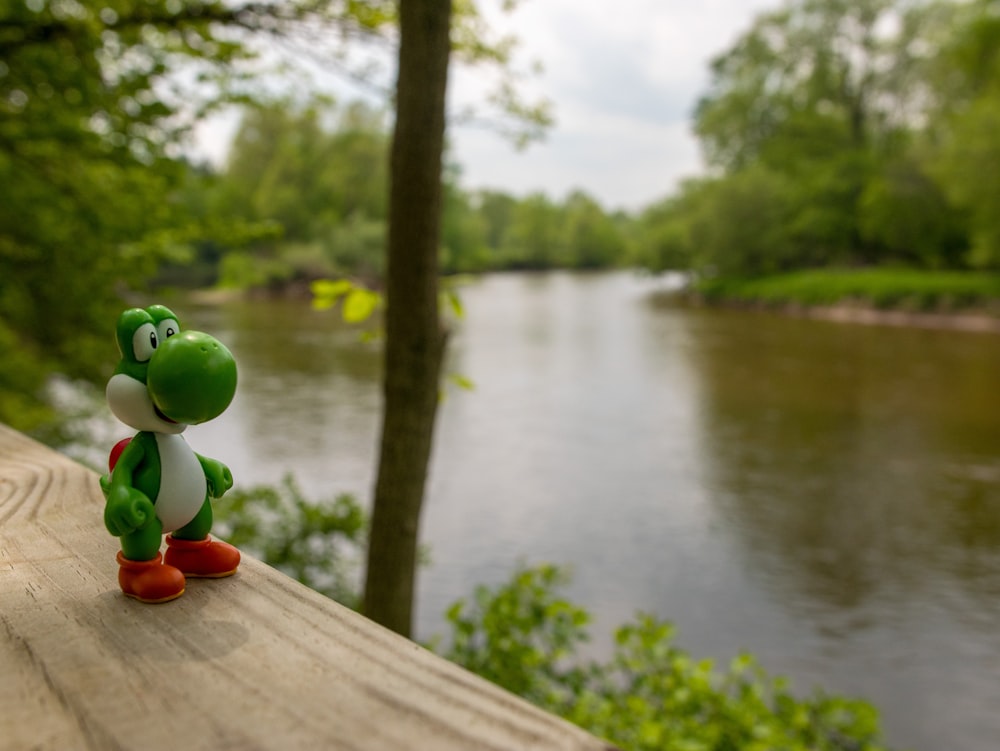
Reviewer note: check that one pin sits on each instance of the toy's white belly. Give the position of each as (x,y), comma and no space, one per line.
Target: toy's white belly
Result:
(182,482)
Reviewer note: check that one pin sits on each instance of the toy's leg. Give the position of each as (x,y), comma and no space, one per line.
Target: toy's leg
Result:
(141,572)
(190,549)
(199,527)
(143,544)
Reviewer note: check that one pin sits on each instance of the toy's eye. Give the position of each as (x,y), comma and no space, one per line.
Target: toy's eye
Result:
(166,329)
(144,342)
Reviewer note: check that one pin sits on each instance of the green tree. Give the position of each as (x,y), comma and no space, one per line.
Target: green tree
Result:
(970,167)
(812,70)
(664,229)
(966,151)
(743,225)
(83,177)
(534,238)
(275,169)
(463,234)
(906,213)
(817,93)
(496,209)
(592,239)
(95,99)
(317,172)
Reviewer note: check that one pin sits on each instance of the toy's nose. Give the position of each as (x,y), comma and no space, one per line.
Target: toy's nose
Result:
(192,377)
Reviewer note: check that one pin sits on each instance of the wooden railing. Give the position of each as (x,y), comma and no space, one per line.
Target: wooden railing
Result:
(255,661)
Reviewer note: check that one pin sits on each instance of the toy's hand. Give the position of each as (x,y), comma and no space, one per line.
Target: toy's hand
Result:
(127,510)
(219,478)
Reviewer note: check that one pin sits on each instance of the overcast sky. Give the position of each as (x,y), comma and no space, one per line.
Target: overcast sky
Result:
(623,77)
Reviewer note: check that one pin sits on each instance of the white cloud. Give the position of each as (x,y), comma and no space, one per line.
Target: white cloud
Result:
(588,152)
(624,79)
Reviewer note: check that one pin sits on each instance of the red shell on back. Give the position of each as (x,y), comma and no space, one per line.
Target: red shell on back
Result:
(116,452)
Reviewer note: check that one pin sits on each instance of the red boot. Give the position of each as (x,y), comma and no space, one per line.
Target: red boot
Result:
(210,559)
(149,581)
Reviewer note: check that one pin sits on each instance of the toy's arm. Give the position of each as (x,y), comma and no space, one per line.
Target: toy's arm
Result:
(127,509)
(219,478)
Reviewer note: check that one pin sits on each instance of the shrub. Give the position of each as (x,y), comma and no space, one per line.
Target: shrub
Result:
(649,695)
(318,543)
(522,635)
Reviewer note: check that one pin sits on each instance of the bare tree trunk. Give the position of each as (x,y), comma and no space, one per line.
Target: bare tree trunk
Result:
(415,340)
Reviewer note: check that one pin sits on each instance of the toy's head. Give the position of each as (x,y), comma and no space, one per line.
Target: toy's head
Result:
(168,379)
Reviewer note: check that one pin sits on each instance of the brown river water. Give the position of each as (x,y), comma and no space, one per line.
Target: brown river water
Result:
(824,495)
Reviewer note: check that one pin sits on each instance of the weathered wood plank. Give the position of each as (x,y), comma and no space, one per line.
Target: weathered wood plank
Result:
(256,661)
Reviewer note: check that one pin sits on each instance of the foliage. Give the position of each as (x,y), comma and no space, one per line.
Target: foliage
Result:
(905,212)
(318,171)
(966,157)
(533,238)
(19,387)
(903,288)
(973,150)
(307,166)
(97,100)
(92,110)
(525,637)
(358,303)
(745,225)
(520,635)
(318,543)
(844,134)
(649,694)
(80,183)
(464,245)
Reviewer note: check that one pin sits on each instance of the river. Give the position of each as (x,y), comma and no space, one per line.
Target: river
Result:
(826,496)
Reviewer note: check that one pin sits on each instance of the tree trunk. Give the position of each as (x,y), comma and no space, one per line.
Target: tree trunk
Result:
(415,340)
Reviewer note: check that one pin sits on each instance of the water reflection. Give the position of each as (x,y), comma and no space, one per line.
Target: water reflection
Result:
(857,461)
(307,400)
(858,471)
(827,496)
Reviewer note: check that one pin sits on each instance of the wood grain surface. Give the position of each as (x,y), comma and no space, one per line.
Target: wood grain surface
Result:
(256,661)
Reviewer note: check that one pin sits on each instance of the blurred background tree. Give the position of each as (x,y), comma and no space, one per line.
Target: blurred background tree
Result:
(839,135)
(97,100)
(94,100)
(843,134)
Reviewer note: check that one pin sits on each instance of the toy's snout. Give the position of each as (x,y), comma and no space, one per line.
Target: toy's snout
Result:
(191,378)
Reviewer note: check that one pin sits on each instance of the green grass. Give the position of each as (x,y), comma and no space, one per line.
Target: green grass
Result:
(904,289)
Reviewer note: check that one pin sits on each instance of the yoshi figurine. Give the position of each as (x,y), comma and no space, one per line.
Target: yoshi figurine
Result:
(166,380)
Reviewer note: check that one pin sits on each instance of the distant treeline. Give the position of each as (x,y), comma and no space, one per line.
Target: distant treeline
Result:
(847,134)
(304,191)
(839,134)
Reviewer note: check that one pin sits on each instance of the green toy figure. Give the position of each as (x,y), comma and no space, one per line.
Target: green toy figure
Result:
(167,379)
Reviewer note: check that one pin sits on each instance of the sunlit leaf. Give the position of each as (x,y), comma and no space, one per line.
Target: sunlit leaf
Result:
(359,305)
(454,302)
(461,381)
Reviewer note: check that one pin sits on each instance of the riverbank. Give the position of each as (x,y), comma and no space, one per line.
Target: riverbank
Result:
(960,301)
(747,476)
(951,300)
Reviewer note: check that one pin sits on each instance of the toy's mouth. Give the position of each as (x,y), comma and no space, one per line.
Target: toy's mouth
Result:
(163,416)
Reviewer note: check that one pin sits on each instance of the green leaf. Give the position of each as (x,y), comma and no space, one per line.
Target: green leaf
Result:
(462,381)
(359,305)
(327,292)
(455,303)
